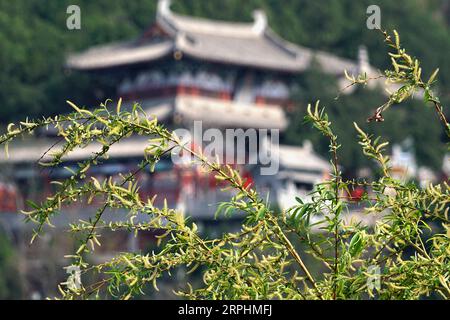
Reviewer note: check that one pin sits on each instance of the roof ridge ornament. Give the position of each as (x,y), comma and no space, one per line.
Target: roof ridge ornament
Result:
(163,9)
(363,60)
(308,146)
(260,21)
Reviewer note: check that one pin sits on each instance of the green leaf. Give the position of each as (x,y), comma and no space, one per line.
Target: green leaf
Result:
(299,200)
(261,213)
(356,244)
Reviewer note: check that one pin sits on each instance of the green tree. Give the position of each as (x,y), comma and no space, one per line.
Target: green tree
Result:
(261,261)
(408,120)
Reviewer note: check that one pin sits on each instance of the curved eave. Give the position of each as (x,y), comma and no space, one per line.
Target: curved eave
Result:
(254,52)
(230,113)
(118,55)
(31,151)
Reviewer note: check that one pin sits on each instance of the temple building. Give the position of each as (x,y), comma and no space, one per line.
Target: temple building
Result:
(181,70)
(227,75)
(184,69)
(223,73)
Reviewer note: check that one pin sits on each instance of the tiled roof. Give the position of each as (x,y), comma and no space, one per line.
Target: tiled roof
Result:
(246,44)
(216,112)
(293,157)
(119,54)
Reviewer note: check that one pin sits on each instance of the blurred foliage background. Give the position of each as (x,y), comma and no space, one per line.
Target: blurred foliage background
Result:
(34,41)
(10,283)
